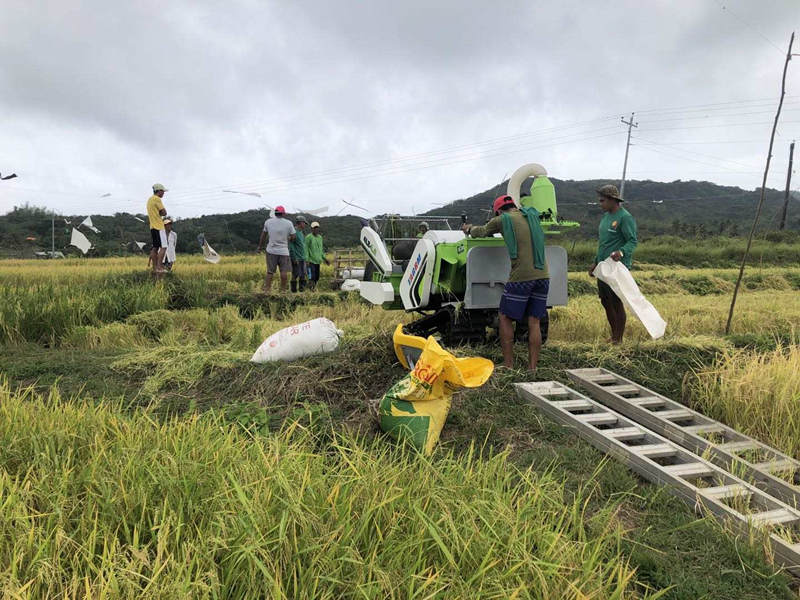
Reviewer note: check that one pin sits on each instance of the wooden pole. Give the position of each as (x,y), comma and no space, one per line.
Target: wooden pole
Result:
(788,184)
(763,186)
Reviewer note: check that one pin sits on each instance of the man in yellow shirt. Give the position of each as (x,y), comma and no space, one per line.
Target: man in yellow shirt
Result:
(155,212)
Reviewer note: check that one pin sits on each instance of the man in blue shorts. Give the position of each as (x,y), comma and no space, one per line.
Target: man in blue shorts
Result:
(525,294)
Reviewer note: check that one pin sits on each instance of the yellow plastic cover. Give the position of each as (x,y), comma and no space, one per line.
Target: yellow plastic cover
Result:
(416,407)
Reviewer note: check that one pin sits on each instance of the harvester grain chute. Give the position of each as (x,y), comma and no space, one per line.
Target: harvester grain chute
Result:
(453,281)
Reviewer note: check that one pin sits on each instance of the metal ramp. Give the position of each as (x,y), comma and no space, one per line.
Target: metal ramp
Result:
(700,483)
(771,470)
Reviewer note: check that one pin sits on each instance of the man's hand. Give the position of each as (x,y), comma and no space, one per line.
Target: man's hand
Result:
(616,255)
(591,269)
(258,250)
(466,227)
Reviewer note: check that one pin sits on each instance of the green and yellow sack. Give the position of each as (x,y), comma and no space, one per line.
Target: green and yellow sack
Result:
(415,408)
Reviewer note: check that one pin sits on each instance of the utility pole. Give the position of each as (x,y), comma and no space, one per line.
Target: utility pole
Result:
(763,186)
(627,146)
(788,183)
(53,235)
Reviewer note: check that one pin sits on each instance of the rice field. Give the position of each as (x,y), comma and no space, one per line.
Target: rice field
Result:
(167,465)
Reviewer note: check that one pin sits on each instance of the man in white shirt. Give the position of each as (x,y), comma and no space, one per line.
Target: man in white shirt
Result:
(172,242)
(280,231)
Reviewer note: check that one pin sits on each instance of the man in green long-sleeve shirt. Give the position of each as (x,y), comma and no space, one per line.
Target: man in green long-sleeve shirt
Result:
(297,252)
(617,239)
(315,254)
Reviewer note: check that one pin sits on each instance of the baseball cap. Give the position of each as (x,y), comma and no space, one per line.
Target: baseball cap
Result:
(502,202)
(314,224)
(300,219)
(279,210)
(167,221)
(157,187)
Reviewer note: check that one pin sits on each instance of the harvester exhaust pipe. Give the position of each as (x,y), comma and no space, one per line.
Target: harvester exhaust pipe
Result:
(515,183)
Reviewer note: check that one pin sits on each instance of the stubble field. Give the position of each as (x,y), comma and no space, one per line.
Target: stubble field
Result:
(142,455)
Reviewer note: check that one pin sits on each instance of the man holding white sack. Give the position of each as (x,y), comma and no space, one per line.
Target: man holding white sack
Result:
(617,239)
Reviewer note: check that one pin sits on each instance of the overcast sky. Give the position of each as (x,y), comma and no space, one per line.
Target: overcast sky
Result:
(393,105)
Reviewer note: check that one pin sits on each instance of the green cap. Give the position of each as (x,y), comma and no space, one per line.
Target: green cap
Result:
(610,191)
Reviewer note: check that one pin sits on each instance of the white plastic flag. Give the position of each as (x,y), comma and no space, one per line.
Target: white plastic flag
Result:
(619,279)
(87,222)
(314,211)
(80,241)
(140,244)
(208,252)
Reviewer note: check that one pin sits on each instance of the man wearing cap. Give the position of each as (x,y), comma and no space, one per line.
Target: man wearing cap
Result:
(155,212)
(422,229)
(280,231)
(297,252)
(315,254)
(525,293)
(617,239)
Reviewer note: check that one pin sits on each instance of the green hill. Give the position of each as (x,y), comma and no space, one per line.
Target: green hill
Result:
(686,208)
(678,207)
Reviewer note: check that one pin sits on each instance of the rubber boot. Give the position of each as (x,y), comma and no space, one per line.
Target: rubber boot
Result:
(302,285)
(293,285)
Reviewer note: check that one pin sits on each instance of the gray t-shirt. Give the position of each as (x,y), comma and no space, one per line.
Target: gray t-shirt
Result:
(278,230)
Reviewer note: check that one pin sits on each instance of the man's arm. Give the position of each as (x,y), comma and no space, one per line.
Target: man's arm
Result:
(292,237)
(628,230)
(492,227)
(261,240)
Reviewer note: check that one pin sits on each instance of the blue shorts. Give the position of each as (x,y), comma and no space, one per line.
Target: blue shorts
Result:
(523,299)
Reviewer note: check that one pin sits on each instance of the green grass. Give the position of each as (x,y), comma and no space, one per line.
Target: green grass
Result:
(99,504)
(330,393)
(758,394)
(169,358)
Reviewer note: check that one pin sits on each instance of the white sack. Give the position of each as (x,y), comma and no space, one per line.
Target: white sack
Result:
(353,274)
(619,279)
(312,337)
(351,285)
(80,241)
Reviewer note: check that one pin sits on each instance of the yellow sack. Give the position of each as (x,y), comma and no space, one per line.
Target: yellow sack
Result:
(416,407)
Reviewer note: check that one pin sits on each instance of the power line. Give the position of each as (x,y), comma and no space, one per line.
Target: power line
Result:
(716,126)
(309,180)
(749,26)
(646,141)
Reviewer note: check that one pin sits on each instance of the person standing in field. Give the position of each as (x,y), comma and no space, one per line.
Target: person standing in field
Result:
(172,242)
(297,252)
(616,239)
(280,231)
(525,293)
(155,214)
(315,254)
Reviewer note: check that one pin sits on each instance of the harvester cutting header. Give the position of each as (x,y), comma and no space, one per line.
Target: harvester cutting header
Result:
(454,281)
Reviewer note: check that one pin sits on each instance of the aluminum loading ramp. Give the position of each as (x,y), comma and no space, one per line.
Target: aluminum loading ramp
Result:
(771,470)
(700,483)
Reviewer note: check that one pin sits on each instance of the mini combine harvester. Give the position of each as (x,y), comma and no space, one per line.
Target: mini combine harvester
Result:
(452,281)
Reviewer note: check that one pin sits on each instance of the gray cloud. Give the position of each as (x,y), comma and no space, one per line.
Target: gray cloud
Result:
(102,97)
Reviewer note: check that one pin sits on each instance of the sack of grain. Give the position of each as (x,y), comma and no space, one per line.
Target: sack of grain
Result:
(312,337)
